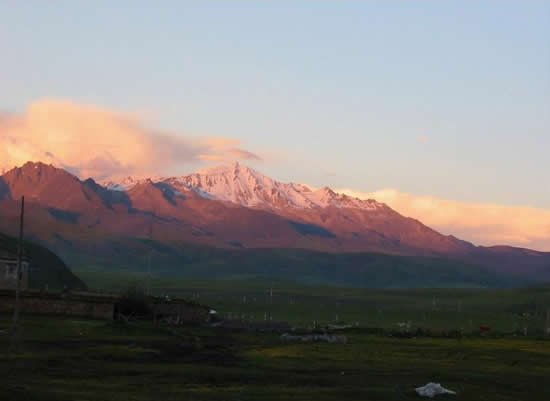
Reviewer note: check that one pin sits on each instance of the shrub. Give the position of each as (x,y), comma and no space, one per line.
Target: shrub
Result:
(133,302)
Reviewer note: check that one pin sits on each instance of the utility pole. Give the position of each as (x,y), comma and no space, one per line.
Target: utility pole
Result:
(18,276)
(149,273)
(548,321)
(149,260)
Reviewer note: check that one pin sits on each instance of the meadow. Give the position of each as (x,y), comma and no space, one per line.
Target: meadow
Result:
(64,359)
(503,310)
(76,359)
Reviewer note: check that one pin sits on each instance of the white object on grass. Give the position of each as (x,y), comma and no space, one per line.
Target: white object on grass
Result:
(432,389)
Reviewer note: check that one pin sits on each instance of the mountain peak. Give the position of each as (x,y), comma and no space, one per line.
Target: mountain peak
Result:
(247,187)
(242,185)
(29,166)
(50,185)
(37,171)
(234,168)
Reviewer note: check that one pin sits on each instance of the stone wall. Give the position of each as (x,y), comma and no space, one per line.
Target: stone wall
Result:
(98,307)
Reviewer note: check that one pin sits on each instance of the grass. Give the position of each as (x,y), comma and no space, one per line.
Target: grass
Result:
(78,359)
(504,310)
(65,359)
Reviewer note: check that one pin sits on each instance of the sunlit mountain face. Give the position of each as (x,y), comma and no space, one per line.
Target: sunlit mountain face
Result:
(228,207)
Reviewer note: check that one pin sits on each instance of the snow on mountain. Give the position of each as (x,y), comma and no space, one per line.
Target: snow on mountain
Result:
(247,187)
(125,183)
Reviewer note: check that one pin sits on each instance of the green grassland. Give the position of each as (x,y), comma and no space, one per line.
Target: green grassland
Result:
(64,359)
(504,310)
(78,359)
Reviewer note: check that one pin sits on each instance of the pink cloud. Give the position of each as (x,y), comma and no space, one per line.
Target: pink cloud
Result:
(480,223)
(243,154)
(100,143)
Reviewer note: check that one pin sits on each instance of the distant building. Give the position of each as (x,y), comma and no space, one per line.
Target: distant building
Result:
(8,271)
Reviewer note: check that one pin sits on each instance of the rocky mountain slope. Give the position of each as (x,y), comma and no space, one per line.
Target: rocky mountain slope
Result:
(232,207)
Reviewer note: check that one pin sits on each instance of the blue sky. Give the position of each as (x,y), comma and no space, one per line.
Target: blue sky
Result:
(441,98)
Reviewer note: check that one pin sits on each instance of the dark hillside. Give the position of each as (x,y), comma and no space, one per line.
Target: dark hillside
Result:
(371,270)
(46,267)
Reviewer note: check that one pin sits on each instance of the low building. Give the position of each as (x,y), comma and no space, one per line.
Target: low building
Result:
(8,271)
(35,302)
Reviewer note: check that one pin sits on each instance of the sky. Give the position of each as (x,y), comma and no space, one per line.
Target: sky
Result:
(442,104)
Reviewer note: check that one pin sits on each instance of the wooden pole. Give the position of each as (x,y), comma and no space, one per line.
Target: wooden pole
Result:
(149,273)
(18,276)
(149,260)
(548,321)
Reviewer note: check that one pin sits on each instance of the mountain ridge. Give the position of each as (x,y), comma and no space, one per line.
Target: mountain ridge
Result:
(234,207)
(250,188)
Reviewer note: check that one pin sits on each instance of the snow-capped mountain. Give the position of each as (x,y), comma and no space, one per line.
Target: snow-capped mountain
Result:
(247,187)
(231,207)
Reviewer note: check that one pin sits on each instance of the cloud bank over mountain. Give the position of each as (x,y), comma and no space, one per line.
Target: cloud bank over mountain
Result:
(96,142)
(480,223)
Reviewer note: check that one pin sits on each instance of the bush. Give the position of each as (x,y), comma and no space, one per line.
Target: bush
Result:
(133,302)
